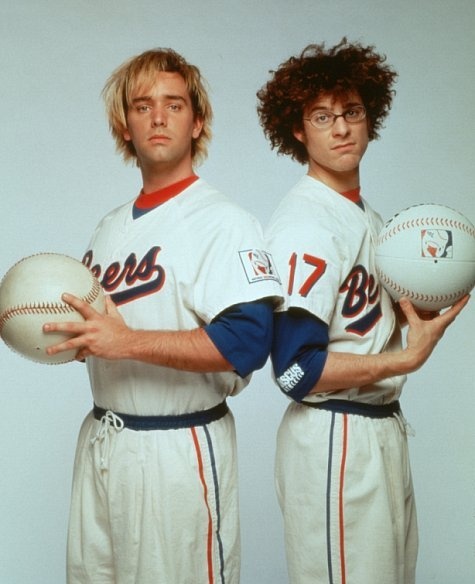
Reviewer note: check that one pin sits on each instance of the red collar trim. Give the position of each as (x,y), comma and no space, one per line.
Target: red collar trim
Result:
(354,195)
(151,200)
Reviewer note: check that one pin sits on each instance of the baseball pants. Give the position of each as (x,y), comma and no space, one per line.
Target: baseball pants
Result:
(156,506)
(345,489)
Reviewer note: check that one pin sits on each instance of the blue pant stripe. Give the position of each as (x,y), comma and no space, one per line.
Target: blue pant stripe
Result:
(218,508)
(328,503)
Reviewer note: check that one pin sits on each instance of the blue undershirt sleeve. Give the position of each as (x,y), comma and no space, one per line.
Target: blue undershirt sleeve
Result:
(299,352)
(243,335)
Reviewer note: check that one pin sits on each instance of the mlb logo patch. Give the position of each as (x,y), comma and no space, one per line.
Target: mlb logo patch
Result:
(258,265)
(436,243)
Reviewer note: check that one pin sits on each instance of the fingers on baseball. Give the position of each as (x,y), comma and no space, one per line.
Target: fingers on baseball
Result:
(65,346)
(407,308)
(85,309)
(75,328)
(451,313)
(462,302)
(111,308)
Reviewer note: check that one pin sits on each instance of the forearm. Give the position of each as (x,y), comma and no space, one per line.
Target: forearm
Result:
(303,364)
(347,370)
(107,336)
(189,350)
(343,370)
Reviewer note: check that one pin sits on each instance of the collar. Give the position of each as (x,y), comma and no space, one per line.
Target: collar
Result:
(147,201)
(353,195)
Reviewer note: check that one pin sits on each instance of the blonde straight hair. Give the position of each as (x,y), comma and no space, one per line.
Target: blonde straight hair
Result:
(141,71)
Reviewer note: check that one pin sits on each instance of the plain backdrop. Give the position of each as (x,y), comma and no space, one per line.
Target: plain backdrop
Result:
(60,175)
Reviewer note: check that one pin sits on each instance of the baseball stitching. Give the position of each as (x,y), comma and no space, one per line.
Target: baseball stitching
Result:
(398,289)
(428,222)
(46,307)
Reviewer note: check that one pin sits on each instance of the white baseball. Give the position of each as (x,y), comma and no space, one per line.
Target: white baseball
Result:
(427,253)
(30,296)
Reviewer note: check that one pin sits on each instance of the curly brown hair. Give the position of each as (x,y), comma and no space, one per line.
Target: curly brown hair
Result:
(340,70)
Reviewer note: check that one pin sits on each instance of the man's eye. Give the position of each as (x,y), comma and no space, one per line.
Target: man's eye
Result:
(322,118)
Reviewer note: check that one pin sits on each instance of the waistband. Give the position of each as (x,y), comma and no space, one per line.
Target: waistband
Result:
(342,406)
(177,422)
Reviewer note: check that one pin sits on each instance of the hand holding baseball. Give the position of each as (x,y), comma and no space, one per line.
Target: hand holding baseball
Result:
(100,335)
(424,333)
(30,296)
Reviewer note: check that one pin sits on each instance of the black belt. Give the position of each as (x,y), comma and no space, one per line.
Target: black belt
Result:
(343,406)
(133,422)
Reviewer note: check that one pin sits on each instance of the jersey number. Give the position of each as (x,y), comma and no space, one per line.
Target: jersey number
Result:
(319,266)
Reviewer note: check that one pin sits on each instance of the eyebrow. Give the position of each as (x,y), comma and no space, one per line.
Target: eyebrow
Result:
(350,104)
(168,97)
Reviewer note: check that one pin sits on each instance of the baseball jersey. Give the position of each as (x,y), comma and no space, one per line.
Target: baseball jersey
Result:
(323,246)
(175,268)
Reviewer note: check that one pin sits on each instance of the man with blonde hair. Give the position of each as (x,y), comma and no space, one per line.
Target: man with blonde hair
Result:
(190,294)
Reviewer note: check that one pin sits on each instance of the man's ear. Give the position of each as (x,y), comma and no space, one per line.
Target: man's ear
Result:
(299,134)
(197,127)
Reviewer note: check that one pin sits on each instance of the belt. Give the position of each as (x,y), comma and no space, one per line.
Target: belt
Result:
(137,423)
(343,406)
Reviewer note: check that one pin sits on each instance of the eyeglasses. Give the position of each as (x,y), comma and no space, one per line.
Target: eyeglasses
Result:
(322,119)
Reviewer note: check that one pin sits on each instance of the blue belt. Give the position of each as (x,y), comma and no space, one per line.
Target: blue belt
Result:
(343,406)
(133,422)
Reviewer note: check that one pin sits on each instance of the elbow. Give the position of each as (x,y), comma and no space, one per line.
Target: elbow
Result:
(255,358)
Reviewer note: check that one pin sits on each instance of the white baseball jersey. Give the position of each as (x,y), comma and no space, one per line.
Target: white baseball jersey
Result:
(161,506)
(175,268)
(323,247)
(343,480)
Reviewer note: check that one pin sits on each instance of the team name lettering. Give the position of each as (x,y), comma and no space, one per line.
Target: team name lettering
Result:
(289,379)
(141,278)
(361,292)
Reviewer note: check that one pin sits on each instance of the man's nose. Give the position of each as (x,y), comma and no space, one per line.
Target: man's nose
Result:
(340,125)
(159,117)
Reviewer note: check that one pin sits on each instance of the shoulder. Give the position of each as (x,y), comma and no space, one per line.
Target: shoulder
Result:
(308,206)
(373,216)
(115,216)
(203,202)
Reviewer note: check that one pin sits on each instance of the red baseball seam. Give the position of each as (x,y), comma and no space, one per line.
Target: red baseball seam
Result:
(427,222)
(47,307)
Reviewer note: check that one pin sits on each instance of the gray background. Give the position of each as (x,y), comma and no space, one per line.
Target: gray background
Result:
(60,174)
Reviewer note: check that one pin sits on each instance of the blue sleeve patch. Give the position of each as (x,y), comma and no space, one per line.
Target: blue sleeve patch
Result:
(243,335)
(298,352)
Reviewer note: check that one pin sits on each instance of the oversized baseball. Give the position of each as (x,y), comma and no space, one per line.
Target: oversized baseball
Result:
(30,296)
(427,253)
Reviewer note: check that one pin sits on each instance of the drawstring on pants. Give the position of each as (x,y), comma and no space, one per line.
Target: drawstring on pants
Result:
(109,422)
(406,428)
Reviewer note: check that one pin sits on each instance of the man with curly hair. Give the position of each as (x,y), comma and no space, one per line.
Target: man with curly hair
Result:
(190,294)
(342,471)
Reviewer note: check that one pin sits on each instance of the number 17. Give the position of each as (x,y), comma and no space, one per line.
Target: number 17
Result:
(319,266)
